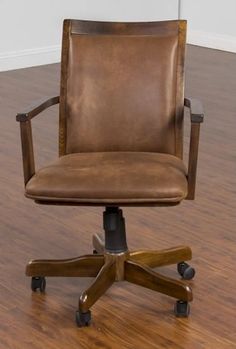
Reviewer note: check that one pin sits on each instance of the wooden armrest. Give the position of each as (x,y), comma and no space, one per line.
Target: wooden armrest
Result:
(196,109)
(26,134)
(37,108)
(197,117)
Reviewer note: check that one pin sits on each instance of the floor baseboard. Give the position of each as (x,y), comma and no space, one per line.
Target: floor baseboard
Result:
(29,57)
(212,40)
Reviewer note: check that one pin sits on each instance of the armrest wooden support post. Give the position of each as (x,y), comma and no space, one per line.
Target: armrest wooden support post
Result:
(27,150)
(197,116)
(26,134)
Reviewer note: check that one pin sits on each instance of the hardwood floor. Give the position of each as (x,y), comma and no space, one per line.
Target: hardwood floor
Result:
(128,316)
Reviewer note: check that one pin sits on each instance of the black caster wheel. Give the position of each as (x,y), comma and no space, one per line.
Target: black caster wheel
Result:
(182,309)
(95,252)
(38,283)
(83,319)
(185,271)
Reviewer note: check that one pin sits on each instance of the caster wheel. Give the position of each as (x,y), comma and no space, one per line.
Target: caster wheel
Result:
(95,252)
(182,309)
(83,319)
(185,271)
(38,282)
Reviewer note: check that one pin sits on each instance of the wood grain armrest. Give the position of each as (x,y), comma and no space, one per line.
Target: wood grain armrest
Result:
(37,108)
(197,117)
(26,133)
(196,109)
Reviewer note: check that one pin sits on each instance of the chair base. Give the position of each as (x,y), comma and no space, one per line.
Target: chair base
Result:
(108,265)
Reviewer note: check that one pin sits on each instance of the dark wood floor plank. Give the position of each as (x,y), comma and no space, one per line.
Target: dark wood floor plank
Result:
(208,225)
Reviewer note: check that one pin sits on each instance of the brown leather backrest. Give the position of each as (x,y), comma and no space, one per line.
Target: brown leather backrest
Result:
(122,87)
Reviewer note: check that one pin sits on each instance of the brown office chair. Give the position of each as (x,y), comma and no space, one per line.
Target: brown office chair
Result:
(120,144)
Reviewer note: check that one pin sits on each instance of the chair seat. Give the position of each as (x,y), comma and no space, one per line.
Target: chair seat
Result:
(111,177)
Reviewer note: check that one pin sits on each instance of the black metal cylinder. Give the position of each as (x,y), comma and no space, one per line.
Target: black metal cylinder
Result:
(114,227)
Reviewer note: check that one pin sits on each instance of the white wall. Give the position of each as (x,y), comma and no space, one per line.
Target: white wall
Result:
(30,31)
(211,23)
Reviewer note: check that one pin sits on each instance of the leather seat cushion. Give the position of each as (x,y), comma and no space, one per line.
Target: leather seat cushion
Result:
(111,177)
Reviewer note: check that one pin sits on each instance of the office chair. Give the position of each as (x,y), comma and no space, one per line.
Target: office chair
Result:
(120,144)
